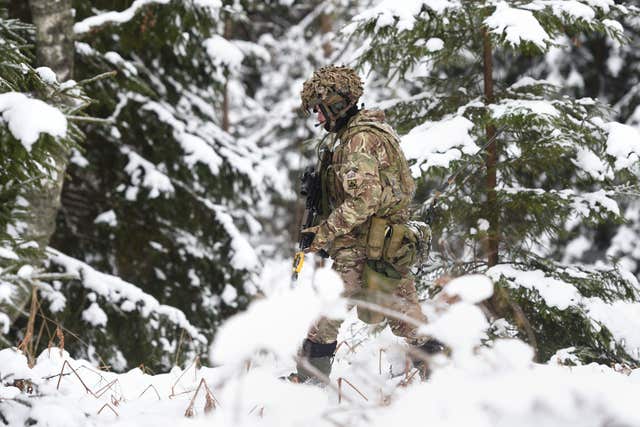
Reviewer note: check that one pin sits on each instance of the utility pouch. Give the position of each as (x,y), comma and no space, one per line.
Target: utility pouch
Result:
(405,246)
(376,238)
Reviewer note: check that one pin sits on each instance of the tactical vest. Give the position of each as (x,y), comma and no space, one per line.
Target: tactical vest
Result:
(398,187)
(392,244)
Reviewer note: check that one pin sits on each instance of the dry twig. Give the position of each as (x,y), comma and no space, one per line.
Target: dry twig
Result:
(106,405)
(195,363)
(150,386)
(210,403)
(340,380)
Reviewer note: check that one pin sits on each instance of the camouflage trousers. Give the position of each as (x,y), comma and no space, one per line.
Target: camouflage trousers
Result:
(349,263)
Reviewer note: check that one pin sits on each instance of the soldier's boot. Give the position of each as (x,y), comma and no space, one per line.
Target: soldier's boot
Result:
(421,361)
(320,356)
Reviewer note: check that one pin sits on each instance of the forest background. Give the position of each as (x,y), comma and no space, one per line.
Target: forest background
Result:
(175,143)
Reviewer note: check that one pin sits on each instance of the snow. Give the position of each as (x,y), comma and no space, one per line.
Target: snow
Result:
(94,315)
(212,4)
(116,59)
(555,293)
(576,248)
(47,75)
(196,148)
(8,254)
(78,159)
(623,143)
(99,20)
(512,107)
(622,318)
(437,144)
(472,288)
(461,328)
(278,323)
(587,202)
(568,8)
(229,295)
(434,44)
(6,290)
(56,299)
(5,323)
(27,118)
(496,385)
(615,26)
(25,271)
(224,52)
(244,256)
(517,26)
(592,164)
(108,217)
(527,81)
(402,14)
(615,62)
(144,173)
(117,291)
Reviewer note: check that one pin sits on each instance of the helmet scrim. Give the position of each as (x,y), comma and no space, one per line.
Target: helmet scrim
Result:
(331,86)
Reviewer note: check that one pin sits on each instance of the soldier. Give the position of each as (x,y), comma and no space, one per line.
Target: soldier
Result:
(366,192)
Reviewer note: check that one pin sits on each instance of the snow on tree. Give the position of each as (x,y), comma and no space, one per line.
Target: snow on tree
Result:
(599,66)
(523,160)
(160,196)
(290,48)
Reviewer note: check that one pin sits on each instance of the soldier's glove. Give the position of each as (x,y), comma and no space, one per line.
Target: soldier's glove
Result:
(318,242)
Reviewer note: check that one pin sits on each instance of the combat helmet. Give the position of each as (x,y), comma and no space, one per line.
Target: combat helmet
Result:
(332,89)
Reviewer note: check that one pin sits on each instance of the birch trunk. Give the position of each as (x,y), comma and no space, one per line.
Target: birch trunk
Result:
(54,35)
(53,20)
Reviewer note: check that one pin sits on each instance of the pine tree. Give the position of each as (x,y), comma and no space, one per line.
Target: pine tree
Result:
(523,160)
(595,65)
(159,195)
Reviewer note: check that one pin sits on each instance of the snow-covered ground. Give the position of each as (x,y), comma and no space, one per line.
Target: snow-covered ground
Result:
(371,383)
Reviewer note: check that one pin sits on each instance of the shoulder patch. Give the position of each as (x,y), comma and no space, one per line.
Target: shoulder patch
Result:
(351,180)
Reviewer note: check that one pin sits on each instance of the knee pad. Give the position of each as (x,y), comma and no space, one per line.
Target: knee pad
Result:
(314,349)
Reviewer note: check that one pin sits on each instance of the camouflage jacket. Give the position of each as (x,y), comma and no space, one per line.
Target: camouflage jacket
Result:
(367,175)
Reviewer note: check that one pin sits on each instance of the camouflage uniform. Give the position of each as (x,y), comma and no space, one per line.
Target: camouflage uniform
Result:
(368,175)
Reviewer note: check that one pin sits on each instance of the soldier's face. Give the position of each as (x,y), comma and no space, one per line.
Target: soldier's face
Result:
(321,118)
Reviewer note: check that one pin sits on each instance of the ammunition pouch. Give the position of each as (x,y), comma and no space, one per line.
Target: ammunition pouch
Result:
(392,249)
(376,238)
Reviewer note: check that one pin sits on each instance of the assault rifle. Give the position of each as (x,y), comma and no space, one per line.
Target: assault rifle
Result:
(311,189)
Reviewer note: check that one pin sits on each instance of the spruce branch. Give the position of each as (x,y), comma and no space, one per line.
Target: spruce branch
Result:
(85,119)
(107,75)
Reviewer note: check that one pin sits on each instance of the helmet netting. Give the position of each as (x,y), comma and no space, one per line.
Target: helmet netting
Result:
(330,81)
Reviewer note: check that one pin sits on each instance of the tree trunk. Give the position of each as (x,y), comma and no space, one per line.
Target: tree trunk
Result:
(53,20)
(326,26)
(225,96)
(54,49)
(493,239)
(500,303)
(54,35)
